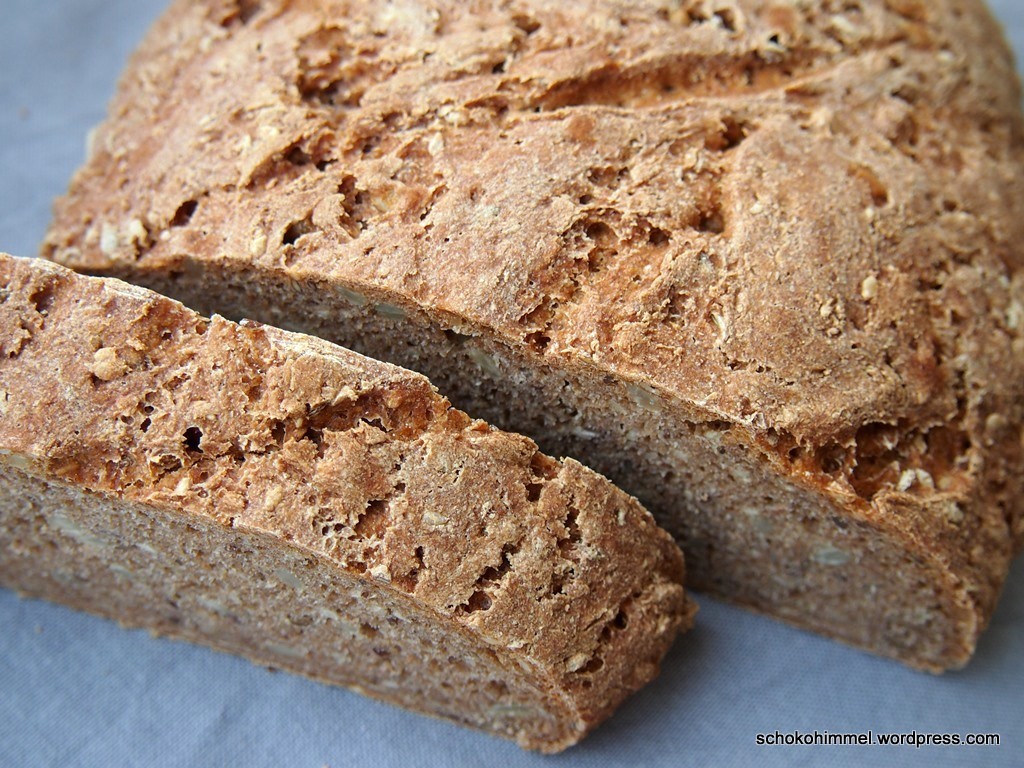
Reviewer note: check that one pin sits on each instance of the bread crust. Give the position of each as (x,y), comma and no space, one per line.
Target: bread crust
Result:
(801,223)
(129,399)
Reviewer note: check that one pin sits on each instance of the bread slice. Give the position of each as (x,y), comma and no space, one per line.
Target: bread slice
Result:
(278,497)
(759,263)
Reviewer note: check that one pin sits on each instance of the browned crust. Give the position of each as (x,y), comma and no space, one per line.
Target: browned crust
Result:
(803,223)
(122,392)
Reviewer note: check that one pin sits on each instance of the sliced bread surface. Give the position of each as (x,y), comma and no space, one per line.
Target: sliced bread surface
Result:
(278,497)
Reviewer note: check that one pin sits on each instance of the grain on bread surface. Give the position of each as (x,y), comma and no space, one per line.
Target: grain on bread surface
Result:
(553,593)
(794,223)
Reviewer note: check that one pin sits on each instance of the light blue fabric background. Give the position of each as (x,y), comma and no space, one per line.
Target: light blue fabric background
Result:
(79,691)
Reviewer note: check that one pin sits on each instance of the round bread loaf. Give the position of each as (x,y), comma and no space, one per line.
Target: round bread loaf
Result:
(756,261)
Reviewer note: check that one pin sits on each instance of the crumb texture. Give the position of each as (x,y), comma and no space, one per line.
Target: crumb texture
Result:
(799,221)
(170,471)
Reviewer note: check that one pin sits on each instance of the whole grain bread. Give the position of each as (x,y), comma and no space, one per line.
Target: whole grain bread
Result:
(278,497)
(756,261)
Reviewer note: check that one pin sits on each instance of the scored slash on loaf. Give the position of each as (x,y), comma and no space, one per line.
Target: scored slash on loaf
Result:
(757,262)
(275,496)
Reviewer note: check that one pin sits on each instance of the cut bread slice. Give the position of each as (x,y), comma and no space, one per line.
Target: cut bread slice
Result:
(275,496)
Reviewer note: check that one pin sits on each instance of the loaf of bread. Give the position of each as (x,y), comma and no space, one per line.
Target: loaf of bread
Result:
(278,497)
(758,262)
